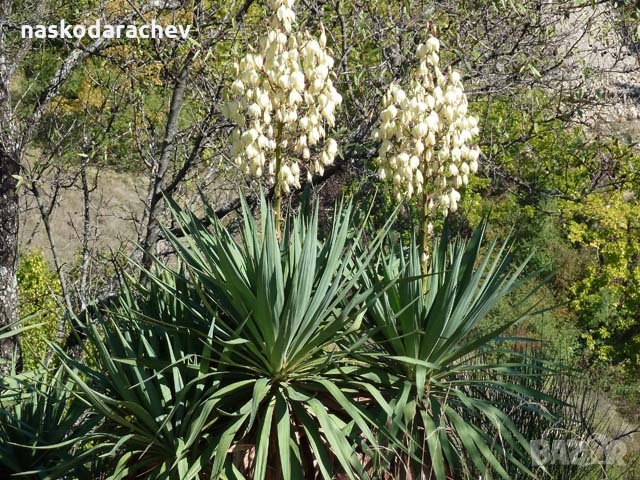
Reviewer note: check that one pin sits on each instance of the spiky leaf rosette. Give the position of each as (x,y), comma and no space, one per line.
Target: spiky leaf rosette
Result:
(427,341)
(230,364)
(285,315)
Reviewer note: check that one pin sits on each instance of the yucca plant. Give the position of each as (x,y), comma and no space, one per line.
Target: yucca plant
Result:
(229,364)
(574,418)
(424,337)
(39,420)
(41,424)
(283,311)
(148,376)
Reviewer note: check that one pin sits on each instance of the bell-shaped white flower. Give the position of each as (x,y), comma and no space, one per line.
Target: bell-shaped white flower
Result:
(281,100)
(426,134)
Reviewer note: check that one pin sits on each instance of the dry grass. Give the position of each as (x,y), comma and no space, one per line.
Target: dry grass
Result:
(115,209)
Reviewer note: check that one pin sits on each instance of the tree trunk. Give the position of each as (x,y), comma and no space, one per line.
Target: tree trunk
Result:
(8,253)
(9,167)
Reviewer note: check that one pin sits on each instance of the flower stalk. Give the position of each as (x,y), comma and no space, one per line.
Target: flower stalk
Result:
(277,189)
(282,103)
(427,139)
(427,236)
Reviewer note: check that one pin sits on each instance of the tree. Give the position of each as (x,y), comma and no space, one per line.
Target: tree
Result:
(19,126)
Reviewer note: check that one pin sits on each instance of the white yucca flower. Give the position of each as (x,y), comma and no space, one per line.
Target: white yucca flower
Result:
(426,134)
(282,101)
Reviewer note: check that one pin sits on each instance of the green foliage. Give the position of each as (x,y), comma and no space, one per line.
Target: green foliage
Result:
(607,300)
(257,359)
(254,360)
(575,194)
(151,385)
(574,416)
(539,156)
(39,289)
(229,365)
(40,423)
(427,346)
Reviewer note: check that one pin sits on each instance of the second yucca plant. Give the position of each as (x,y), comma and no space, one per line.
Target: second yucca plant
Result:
(425,339)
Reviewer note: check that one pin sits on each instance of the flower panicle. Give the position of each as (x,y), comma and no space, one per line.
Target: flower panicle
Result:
(282,102)
(427,135)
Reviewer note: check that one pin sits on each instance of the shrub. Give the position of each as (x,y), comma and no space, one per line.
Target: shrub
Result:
(38,288)
(424,339)
(41,422)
